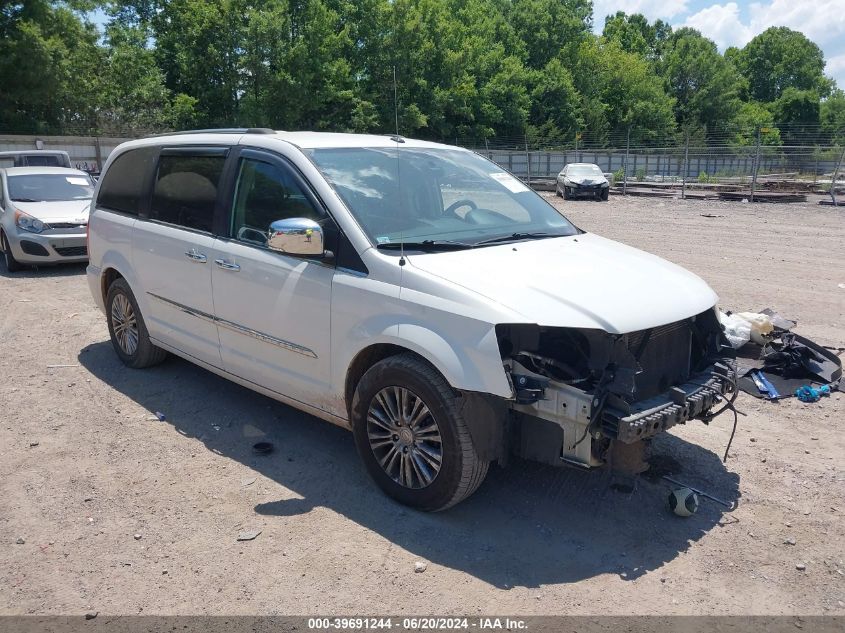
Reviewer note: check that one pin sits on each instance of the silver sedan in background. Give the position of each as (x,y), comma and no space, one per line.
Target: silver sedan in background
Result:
(43,215)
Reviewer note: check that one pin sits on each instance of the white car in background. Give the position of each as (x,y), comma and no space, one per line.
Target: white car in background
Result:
(43,215)
(35,158)
(414,293)
(582,180)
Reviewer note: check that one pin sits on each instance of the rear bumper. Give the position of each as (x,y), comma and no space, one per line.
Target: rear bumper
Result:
(94,273)
(51,247)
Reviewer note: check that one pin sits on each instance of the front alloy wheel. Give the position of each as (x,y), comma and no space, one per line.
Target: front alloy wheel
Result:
(411,435)
(404,437)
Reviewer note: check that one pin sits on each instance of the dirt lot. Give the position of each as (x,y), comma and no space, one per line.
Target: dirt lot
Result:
(124,514)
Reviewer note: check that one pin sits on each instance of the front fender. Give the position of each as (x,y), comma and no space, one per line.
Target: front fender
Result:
(468,359)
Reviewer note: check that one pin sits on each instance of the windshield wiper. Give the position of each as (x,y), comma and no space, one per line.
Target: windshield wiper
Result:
(538,235)
(426,245)
(24,200)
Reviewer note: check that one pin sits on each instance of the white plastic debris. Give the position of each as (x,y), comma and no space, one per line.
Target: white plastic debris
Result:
(761,326)
(737,329)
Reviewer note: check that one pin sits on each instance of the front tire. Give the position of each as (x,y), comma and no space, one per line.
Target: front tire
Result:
(565,193)
(605,194)
(411,435)
(12,265)
(127,329)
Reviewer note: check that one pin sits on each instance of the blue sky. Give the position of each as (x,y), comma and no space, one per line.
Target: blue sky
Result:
(735,23)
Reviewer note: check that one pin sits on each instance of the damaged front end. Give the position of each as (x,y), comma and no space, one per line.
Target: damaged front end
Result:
(577,390)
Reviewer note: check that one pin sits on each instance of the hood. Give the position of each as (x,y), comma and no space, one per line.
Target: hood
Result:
(58,211)
(583,281)
(586,180)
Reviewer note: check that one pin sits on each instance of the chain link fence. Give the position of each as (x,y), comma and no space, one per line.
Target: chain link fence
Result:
(805,159)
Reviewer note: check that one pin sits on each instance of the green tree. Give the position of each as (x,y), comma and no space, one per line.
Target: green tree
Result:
(555,105)
(49,61)
(706,86)
(131,95)
(547,27)
(798,114)
(619,91)
(636,35)
(832,116)
(750,117)
(780,58)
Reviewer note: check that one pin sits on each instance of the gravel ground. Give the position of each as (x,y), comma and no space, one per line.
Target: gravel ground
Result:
(103,507)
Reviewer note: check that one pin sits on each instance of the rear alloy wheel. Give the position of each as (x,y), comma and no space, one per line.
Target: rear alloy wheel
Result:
(411,435)
(127,329)
(12,265)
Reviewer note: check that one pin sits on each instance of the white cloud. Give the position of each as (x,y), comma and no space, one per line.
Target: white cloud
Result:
(735,23)
(721,24)
(822,21)
(652,9)
(836,68)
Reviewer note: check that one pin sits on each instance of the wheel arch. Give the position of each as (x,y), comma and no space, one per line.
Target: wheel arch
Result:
(107,278)
(114,265)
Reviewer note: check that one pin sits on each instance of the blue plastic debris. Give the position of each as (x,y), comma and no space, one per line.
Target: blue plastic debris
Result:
(808,393)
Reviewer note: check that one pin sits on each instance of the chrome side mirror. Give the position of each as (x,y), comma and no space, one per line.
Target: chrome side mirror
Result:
(296,236)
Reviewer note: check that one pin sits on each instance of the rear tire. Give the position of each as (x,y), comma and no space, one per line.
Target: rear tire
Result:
(411,435)
(12,265)
(127,329)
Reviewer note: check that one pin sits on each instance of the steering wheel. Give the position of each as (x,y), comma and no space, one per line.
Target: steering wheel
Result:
(487,216)
(450,210)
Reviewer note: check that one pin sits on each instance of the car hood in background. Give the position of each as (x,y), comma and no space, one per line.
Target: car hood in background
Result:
(583,281)
(58,211)
(590,180)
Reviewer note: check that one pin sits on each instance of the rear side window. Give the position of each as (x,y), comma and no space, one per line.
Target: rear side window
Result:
(124,182)
(185,190)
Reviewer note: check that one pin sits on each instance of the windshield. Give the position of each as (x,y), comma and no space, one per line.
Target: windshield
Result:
(431,194)
(584,170)
(50,187)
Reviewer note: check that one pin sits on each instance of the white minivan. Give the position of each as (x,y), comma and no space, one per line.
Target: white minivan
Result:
(414,293)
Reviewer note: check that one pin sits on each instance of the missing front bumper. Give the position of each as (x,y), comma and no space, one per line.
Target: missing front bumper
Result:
(688,401)
(560,428)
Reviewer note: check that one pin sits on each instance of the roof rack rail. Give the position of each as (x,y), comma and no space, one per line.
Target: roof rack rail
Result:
(223,130)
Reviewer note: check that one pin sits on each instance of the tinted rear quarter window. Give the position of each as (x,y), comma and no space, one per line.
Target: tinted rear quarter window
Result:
(185,191)
(124,182)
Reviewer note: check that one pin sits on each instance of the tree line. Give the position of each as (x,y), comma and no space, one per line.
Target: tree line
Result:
(468,69)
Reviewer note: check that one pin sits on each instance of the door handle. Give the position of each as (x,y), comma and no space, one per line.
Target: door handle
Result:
(222,263)
(196,256)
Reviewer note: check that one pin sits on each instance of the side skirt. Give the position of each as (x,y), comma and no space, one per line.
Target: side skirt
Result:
(275,395)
